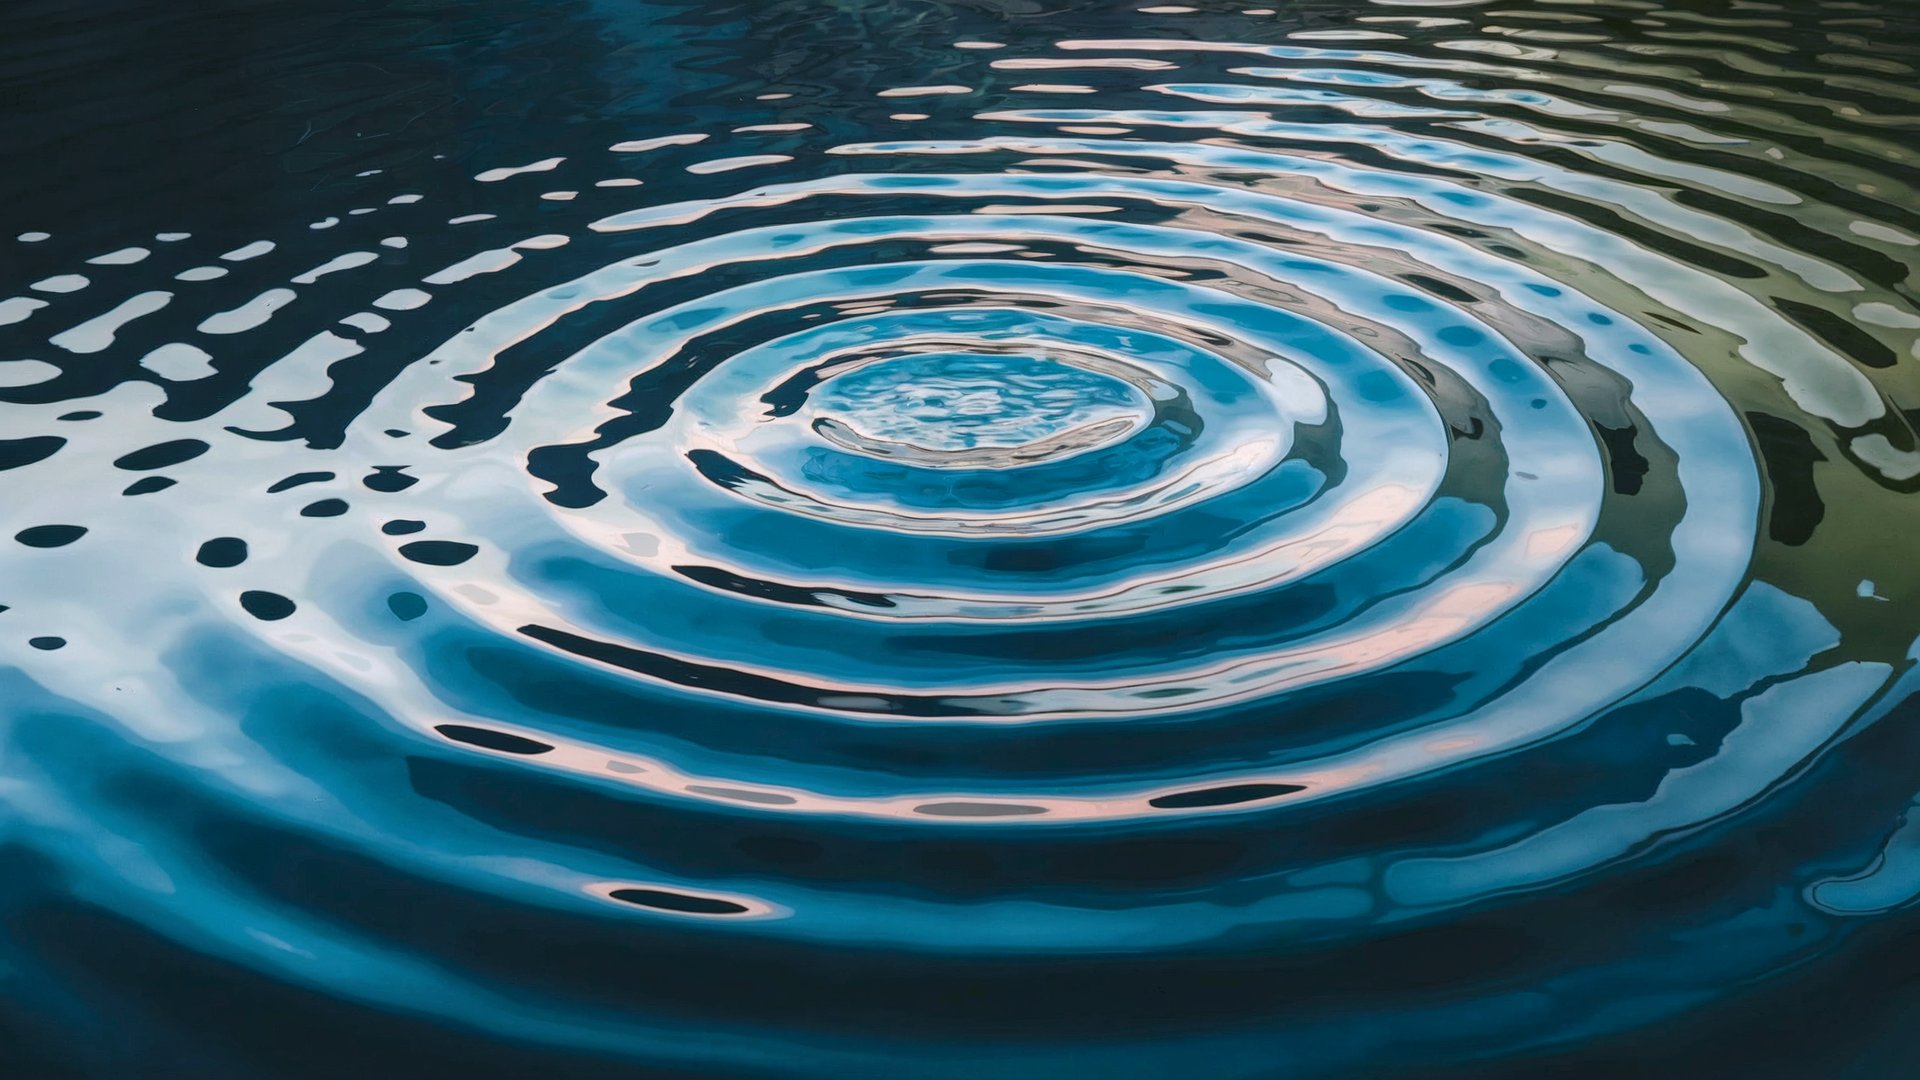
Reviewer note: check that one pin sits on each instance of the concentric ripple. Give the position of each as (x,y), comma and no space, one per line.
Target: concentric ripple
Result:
(1387,521)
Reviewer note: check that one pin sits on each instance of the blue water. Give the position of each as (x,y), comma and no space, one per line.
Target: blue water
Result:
(975,539)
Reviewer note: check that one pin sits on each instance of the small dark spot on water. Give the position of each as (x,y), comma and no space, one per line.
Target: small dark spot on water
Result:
(222,551)
(161,455)
(438,552)
(297,479)
(1624,459)
(324,508)
(1441,288)
(82,414)
(50,536)
(977,809)
(1839,332)
(15,453)
(1792,458)
(47,644)
(267,606)
(390,478)
(765,798)
(1223,796)
(687,903)
(1677,324)
(402,527)
(489,739)
(396,433)
(147,485)
(407,606)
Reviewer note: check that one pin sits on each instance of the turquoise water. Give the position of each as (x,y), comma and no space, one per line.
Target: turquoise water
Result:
(1002,539)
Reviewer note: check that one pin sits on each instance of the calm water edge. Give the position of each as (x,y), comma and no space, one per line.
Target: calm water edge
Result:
(962,539)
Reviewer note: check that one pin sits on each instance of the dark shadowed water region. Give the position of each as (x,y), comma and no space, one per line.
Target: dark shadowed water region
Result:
(966,539)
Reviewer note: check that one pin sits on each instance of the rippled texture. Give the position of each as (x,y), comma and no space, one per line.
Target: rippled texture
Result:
(1010,539)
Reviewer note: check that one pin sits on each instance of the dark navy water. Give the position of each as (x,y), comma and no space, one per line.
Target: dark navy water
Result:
(975,539)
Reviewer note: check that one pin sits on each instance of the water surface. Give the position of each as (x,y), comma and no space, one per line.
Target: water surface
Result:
(985,539)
